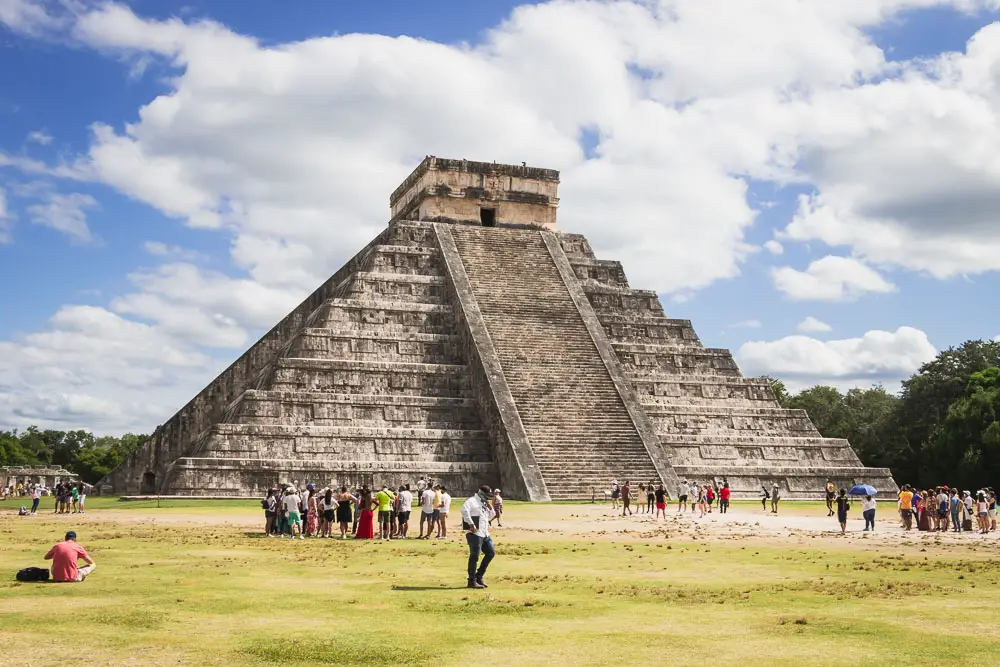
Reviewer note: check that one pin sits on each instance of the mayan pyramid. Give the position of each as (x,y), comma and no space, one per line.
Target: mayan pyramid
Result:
(470,342)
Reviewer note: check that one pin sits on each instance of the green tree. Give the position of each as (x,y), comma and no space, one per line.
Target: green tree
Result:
(965,448)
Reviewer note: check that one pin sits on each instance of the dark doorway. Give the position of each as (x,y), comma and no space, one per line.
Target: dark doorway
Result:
(148,484)
(488,216)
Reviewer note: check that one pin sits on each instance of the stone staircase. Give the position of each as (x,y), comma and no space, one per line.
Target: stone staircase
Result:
(580,433)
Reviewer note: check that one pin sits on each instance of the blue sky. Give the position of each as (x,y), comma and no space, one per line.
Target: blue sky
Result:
(127,125)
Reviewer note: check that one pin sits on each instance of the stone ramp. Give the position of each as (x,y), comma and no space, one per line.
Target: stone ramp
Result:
(580,432)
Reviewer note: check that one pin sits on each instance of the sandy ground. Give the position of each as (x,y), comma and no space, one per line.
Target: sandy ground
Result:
(599,521)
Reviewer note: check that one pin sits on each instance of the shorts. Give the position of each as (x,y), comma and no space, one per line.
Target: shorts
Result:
(842,517)
(426,516)
(984,515)
(383,516)
(682,498)
(294,517)
(268,514)
(403,517)
(942,513)
(711,500)
(993,514)
(328,515)
(436,515)
(661,506)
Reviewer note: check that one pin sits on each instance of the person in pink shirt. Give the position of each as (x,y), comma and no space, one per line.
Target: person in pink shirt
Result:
(64,557)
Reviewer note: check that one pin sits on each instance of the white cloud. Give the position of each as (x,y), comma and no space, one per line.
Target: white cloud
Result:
(93,369)
(746,324)
(169,251)
(878,356)
(5,218)
(40,137)
(65,213)
(27,16)
(774,247)
(830,279)
(813,325)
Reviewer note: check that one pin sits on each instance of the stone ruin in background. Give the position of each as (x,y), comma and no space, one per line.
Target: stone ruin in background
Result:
(472,342)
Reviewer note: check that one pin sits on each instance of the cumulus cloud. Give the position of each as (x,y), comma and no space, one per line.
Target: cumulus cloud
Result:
(813,325)
(65,213)
(774,247)
(878,356)
(170,251)
(830,279)
(93,369)
(746,324)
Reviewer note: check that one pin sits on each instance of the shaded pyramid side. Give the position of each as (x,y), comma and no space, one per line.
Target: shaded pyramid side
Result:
(717,424)
(364,382)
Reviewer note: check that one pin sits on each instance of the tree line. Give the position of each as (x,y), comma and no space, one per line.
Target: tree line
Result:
(942,428)
(78,451)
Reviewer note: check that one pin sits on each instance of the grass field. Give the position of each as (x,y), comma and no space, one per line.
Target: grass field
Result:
(192,583)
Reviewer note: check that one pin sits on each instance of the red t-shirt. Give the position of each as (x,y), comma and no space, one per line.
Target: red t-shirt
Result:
(64,556)
(724,493)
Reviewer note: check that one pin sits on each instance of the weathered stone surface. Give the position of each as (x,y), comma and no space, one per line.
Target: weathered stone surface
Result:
(503,353)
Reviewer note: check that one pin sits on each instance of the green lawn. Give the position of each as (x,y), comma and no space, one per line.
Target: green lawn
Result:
(191,583)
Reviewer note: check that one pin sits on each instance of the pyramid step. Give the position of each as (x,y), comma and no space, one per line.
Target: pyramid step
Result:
(401,259)
(370,377)
(375,345)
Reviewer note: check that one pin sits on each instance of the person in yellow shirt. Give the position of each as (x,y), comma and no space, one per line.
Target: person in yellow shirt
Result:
(436,517)
(906,506)
(384,499)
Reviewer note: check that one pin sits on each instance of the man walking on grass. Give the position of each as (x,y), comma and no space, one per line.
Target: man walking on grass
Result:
(476,515)
(64,557)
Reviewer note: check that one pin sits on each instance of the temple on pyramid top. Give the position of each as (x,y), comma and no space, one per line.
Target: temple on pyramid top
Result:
(469,343)
(482,193)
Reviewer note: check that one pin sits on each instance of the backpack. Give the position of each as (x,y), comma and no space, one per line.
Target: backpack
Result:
(263,503)
(33,574)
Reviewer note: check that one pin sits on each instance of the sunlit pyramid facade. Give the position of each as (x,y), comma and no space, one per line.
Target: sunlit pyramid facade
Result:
(472,342)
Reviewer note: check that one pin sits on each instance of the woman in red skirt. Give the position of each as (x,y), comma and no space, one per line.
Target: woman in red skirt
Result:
(366,524)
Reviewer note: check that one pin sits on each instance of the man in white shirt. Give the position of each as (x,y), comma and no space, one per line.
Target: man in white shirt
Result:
(443,516)
(476,515)
(426,513)
(292,502)
(695,492)
(421,486)
(682,497)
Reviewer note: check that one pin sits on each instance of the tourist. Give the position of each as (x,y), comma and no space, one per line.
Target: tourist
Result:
(983,513)
(682,497)
(366,528)
(344,503)
(775,497)
(943,509)
(709,496)
(650,497)
(660,496)
(270,505)
(868,512)
(831,494)
(293,504)
(36,497)
(724,494)
(426,512)
(694,492)
(640,496)
(65,557)
(57,497)
(626,498)
(991,497)
(281,518)
(421,487)
(476,515)
(497,507)
(328,512)
(311,519)
(83,496)
(955,504)
(843,506)
(384,500)
(701,500)
(970,509)
(74,494)
(765,495)
(438,496)
(615,493)
(906,507)
(405,504)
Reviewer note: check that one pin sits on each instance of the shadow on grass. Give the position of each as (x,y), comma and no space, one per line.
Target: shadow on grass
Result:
(429,588)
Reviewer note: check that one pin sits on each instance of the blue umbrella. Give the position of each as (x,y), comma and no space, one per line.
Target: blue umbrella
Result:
(863,490)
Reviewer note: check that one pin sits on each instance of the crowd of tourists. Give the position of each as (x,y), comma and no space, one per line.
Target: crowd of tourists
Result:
(653,498)
(362,512)
(943,508)
(69,497)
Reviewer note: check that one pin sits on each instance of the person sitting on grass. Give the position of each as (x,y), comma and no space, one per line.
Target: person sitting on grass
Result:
(64,557)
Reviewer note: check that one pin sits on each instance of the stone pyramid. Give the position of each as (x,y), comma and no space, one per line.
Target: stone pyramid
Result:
(472,343)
